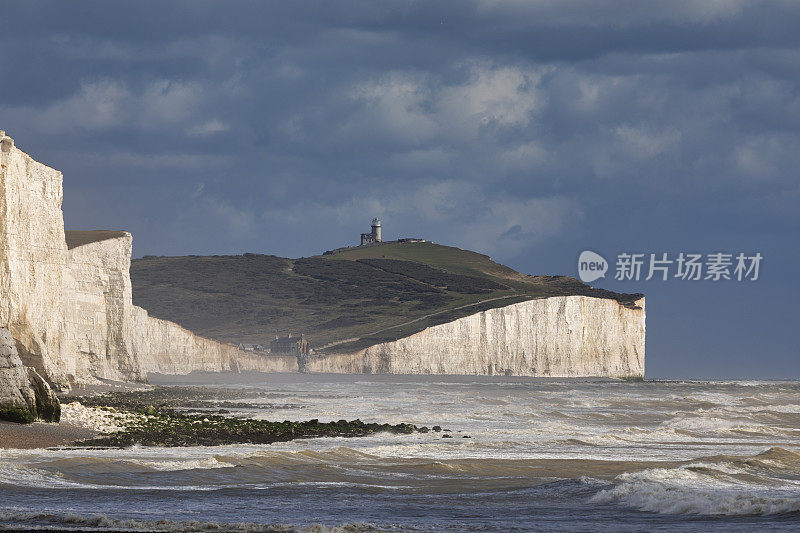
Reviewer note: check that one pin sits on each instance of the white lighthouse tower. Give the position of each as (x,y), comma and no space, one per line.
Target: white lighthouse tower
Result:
(376,229)
(374,236)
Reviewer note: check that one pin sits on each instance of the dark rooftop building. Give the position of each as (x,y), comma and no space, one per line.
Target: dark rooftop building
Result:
(295,345)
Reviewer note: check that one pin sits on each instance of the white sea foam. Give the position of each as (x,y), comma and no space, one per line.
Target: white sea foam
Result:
(23,476)
(30,477)
(716,423)
(700,489)
(167,465)
(712,435)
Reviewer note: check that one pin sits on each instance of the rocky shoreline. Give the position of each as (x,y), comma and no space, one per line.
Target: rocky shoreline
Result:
(191,416)
(176,429)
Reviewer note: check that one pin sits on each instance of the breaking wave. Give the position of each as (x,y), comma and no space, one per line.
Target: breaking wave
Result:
(23,521)
(541,455)
(765,484)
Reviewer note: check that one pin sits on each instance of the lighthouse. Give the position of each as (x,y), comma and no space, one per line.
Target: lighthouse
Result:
(374,237)
(376,229)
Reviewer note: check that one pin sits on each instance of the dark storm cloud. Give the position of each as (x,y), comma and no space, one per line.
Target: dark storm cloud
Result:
(353,104)
(526,129)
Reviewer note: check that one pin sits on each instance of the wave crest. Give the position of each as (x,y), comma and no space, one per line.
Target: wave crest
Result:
(719,486)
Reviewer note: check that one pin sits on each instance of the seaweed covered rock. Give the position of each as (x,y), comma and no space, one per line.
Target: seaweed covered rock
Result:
(48,408)
(169,428)
(24,395)
(17,399)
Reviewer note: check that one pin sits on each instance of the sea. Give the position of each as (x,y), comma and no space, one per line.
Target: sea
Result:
(515,454)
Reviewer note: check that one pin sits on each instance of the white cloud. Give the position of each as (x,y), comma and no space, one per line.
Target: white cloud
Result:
(152,162)
(523,157)
(623,13)
(236,222)
(396,107)
(463,214)
(710,10)
(642,142)
(106,104)
(169,101)
(208,128)
(452,212)
(512,226)
(96,106)
(767,157)
(504,95)
(415,109)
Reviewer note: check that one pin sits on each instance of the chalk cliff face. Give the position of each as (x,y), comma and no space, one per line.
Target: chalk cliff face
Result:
(167,348)
(68,307)
(99,310)
(115,339)
(32,259)
(564,336)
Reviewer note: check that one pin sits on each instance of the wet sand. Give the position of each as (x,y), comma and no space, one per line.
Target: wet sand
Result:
(40,435)
(44,435)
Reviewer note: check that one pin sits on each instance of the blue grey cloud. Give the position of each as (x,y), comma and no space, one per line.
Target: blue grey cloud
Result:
(527,130)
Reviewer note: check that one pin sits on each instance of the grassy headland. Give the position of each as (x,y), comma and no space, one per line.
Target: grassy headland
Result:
(372,294)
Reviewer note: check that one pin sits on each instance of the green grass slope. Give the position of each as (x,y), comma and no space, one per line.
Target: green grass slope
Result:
(351,299)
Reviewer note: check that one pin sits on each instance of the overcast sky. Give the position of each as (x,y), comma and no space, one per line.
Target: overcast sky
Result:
(527,130)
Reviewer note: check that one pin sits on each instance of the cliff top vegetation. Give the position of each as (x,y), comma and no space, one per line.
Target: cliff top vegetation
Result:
(354,298)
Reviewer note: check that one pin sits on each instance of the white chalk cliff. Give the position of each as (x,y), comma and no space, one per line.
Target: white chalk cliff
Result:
(561,336)
(65,300)
(69,308)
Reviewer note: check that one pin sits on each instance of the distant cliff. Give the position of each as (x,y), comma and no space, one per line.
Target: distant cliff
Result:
(365,295)
(403,307)
(115,339)
(561,336)
(69,308)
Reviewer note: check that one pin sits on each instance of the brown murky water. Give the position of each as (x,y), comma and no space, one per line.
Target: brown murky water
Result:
(541,455)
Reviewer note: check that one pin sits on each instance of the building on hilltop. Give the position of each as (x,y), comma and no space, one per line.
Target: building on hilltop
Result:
(253,348)
(295,345)
(375,236)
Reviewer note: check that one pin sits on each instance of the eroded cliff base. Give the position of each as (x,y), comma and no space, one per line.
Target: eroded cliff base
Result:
(24,395)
